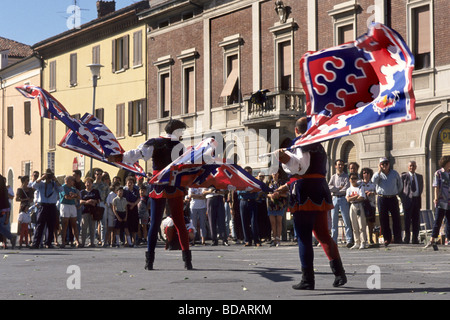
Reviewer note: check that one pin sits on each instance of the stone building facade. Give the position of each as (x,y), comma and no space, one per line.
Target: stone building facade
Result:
(206,58)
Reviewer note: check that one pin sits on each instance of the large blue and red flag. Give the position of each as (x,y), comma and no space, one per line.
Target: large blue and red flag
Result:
(197,168)
(358,86)
(88,136)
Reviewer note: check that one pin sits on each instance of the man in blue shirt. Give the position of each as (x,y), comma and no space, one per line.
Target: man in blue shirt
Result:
(388,185)
(48,189)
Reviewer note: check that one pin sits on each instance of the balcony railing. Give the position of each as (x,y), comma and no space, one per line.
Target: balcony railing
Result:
(275,105)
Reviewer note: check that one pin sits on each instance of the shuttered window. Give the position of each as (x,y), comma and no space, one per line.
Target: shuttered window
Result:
(120,120)
(27,117)
(73,69)
(137,117)
(52,76)
(96,55)
(10,118)
(120,53)
(137,48)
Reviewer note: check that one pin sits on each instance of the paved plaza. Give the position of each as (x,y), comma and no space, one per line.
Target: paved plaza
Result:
(222,273)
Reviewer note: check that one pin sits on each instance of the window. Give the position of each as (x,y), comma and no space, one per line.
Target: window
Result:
(189,90)
(165,95)
(96,55)
(100,114)
(52,76)
(137,48)
(137,117)
(120,120)
(421,36)
(52,134)
(10,118)
(73,69)
(120,53)
(231,88)
(285,65)
(345,34)
(344,21)
(27,116)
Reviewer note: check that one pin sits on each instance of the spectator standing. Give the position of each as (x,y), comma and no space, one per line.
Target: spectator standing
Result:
(144,212)
(216,215)
(338,185)
(197,205)
(131,193)
(276,208)
(90,198)
(249,215)
(261,207)
(368,188)
(411,197)
(355,196)
(24,221)
(4,213)
(25,194)
(48,189)
(388,185)
(103,190)
(68,209)
(111,218)
(120,209)
(441,185)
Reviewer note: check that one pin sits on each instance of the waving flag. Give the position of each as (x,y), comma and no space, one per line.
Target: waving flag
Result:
(358,86)
(88,136)
(197,168)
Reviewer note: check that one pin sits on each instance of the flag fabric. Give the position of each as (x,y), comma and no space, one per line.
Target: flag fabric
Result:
(88,136)
(358,86)
(109,144)
(197,168)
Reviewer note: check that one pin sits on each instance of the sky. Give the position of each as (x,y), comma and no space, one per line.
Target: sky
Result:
(31,21)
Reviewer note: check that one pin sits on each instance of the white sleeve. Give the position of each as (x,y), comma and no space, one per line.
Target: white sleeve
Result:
(298,162)
(142,152)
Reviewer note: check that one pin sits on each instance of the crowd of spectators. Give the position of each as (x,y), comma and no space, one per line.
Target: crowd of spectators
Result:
(101,211)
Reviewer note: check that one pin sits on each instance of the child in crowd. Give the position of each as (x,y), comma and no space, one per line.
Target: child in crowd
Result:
(110,214)
(119,205)
(355,196)
(143,212)
(24,220)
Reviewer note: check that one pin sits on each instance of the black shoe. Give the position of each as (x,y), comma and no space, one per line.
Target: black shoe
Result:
(187,258)
(339,273)
(307,282)
(149,259)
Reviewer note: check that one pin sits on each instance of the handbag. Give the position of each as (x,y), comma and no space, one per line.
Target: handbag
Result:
(97,213)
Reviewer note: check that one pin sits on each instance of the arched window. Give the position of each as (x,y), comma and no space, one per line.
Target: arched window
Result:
(348,153)
(442,142)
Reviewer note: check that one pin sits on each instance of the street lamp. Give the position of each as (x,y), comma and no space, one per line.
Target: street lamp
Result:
(95,71)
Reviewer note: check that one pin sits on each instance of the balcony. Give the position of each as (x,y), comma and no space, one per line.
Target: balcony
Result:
(276,106)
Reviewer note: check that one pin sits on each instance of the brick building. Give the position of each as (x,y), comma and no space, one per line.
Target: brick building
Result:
(206,58)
